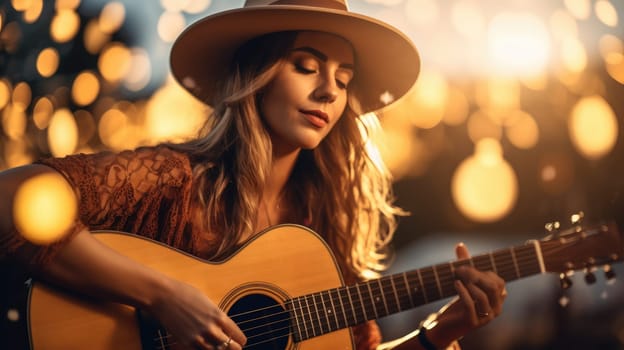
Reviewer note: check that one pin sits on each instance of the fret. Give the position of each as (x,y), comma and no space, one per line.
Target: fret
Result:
(333,309)
(515,262)
(394,304)
(320,311)
(430,285)
(352,297)
(505,268)
(493,263)
(343,292)
(527,260)
(422,287)
(482,263)
(357,288)
(291,305)
(409,289)
(446,278)
(311,316)
(437,280)
(304,317)
(373,299)
(327,312)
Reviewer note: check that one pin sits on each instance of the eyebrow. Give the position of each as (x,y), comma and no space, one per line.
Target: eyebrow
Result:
(321,56)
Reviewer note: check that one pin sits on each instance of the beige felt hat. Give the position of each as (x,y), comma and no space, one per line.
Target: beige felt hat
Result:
(386,61)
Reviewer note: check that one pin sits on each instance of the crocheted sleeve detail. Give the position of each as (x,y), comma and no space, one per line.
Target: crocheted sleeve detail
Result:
(146,192)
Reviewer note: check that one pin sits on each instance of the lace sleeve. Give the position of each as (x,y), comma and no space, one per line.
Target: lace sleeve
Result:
(145,192)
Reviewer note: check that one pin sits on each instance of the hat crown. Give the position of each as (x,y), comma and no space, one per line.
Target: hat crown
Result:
(330,4)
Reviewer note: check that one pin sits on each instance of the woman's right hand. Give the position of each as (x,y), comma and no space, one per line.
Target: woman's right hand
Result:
(194,320)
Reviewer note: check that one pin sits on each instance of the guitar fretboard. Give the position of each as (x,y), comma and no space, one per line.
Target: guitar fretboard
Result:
(329,310)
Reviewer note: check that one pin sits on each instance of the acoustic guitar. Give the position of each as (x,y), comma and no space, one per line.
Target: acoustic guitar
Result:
(284,290)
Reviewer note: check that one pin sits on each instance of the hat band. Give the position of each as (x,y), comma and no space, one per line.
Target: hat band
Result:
(336,5)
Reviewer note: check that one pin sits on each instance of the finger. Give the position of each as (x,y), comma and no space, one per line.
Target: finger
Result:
(494,287)
(467,300)
(201,343)
(482,305)
(462,251)
(232,330)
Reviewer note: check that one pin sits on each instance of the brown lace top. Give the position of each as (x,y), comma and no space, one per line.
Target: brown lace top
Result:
(146,192)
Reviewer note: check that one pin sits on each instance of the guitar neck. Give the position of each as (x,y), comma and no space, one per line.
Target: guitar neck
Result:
(329,310)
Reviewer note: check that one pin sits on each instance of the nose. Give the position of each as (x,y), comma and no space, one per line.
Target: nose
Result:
(327,91)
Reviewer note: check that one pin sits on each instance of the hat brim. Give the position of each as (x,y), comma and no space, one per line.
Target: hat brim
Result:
(386,60)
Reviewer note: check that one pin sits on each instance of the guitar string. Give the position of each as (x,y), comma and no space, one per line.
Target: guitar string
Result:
(521,256)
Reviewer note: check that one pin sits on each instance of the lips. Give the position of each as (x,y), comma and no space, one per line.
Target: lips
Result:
(317,118)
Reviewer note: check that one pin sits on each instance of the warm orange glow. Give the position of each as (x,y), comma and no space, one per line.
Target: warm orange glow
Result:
(556,172)
(170,24)
(468,19)
(518,44)
(498,94)
(22,96)
(457,108)
(13,122)
(44,208)
(17,153)
(422,12)
(593,127)
(42,113)
(20,5)
(606,13)
(140,70)
(47,62)
(67,4)
(581,9)
(114,62)
(94,38)
(173,114)
(113,130)
(522,130)
(5,92)
(562,25)
(86,126)
(484,186)
(62,133)
(481,126)
(33,11)
(112,17)
(85,88)
(427,100)
(64,26)
(573,55)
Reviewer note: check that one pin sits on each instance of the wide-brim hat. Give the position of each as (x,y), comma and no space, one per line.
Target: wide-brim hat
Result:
(386,61)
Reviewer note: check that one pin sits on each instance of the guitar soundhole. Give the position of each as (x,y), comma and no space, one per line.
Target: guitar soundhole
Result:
(264,322)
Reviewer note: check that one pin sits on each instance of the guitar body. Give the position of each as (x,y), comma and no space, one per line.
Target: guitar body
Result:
(278,264)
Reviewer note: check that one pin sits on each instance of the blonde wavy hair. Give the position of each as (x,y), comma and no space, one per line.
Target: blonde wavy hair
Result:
(344,182)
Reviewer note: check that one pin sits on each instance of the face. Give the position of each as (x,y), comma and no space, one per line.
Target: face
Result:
(309,93)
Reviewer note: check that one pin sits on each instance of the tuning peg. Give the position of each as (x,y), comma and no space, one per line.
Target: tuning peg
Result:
(565,281)
(577,218)
(552,226)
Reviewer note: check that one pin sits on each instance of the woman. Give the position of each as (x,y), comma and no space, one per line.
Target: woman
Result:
(287,142)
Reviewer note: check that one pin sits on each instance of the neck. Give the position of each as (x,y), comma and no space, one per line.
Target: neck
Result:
(281,169)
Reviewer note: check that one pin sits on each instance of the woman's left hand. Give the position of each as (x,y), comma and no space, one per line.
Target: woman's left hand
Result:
(480,300)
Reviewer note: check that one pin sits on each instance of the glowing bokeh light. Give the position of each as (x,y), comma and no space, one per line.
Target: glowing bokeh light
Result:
(85,88)
(563,25)
(484,186)
(20,5)
(170,24)
(67,4)
(573,55)
(518,44)
(5,92)
(468,19)
(13,122)
(62,133)
(140,70)
(32,13)
(593,127)
(114,62)
(427,100)
(580,9)
(457,107)
(94,37)
(556,172)
(522,130)
(44,208)
(65,25)
(196,6)
(481,126)
(47,62)
(112,17)
(606,13)
(42,113)
(22,96)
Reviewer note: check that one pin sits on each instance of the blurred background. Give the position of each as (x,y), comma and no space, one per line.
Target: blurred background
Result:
(515,122)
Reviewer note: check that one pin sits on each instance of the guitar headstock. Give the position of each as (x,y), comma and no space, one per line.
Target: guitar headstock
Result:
(584,248)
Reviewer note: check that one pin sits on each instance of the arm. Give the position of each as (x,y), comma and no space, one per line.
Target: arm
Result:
(480,300)
(83,264)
